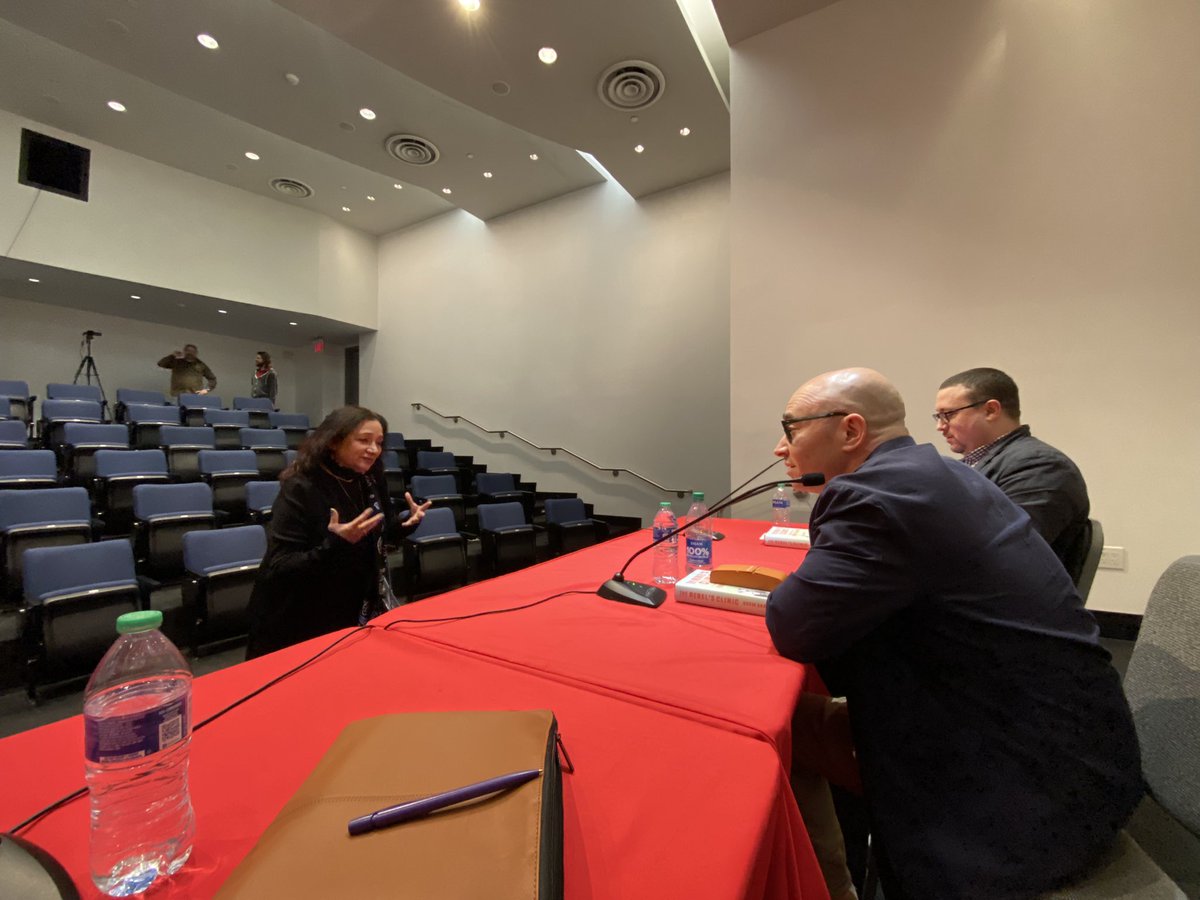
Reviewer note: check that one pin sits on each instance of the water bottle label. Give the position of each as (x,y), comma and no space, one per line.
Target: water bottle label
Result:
(118,738)
(781,503)
(699,552)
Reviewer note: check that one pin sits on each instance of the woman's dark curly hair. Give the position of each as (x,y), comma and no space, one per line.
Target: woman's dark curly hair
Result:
(337,426)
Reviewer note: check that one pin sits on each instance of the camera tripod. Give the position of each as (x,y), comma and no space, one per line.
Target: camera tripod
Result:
(87,365)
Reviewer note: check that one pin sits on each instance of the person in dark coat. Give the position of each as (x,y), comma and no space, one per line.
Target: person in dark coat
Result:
(325,566)
(264,382)
(997,752)
(979,413)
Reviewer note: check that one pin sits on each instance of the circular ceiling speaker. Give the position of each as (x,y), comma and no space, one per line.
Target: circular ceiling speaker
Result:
(411,149)
(290,187)
(632,84)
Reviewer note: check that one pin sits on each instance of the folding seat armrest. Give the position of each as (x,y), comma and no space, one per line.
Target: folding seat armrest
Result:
(433,539)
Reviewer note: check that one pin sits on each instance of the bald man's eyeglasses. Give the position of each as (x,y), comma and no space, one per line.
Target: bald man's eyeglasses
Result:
(943,418)
(789,421)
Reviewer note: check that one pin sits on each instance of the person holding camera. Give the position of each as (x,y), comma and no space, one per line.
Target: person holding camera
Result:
(189,373)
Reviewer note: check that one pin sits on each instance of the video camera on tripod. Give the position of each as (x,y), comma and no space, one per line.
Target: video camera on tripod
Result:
(87,365)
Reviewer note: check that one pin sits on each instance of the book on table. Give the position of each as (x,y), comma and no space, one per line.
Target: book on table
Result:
(695,587)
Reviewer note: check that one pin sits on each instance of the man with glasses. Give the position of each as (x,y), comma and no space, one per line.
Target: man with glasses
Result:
(996,749)
(979,413)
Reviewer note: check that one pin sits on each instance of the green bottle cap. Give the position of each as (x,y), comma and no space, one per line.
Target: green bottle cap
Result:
(665,504)
(133,622)
(697,495)
(783,484)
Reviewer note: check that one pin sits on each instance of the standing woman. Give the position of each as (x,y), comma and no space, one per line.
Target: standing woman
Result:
(325,567)
(263,382)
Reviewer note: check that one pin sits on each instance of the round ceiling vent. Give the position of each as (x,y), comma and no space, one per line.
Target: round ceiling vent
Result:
(408,148)
(632,84)
(290,187)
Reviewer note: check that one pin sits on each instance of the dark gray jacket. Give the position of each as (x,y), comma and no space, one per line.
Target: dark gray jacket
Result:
(1046,484)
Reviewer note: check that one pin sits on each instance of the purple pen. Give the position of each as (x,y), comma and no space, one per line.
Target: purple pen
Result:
(414,809)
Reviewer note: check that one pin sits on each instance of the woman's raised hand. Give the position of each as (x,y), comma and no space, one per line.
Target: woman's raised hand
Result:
(357,528)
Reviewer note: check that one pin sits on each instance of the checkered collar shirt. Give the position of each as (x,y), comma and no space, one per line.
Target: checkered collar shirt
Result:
(975,457)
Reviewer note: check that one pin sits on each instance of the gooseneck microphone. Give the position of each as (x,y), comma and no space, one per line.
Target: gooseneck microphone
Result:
(639,594)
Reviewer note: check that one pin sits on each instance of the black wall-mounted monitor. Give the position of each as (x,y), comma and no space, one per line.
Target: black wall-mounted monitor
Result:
(54,165)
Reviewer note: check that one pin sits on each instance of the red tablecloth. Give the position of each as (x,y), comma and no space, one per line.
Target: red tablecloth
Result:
(676,720)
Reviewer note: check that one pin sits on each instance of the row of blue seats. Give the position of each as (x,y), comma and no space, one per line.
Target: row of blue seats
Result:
(159,516)
(20,402)
(74,592)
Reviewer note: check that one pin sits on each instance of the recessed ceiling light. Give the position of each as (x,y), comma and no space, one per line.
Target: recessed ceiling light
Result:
(36,280)
(367,114)
(223,312)
(487,174)
(345,209)
(446,191)
(548,55)
(250,154)
(207,41)
(639,149)
(398,186)
(116,106)
(369,197)
(533,156)
(291,78)
(135,297)
(469,5)
(685,131)
(293,323)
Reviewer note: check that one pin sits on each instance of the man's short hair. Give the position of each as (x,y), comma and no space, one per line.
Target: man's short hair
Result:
(988,384)
(193,346)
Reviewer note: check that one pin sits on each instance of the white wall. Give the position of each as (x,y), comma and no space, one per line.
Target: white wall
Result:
(40,344)
(922,186)
(590,322)
(148,223)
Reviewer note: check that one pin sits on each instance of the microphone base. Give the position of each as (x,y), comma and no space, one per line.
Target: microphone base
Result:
(633,592)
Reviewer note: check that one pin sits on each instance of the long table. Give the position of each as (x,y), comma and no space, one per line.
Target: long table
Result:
(676,720)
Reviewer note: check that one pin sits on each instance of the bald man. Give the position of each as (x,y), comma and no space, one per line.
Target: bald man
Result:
(996,749)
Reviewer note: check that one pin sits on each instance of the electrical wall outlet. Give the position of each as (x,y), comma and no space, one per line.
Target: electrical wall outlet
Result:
(1112,558)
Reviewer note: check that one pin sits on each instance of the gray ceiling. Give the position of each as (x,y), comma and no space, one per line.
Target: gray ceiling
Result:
(469,83)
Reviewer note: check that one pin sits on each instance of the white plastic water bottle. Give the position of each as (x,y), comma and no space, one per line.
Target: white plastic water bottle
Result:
(781,505)
(137,719)
(699,543)
(666,554)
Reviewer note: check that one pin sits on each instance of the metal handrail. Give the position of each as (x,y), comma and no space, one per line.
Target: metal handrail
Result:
(616,472)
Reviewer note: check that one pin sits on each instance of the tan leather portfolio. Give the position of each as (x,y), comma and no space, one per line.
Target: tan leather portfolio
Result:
(506,845)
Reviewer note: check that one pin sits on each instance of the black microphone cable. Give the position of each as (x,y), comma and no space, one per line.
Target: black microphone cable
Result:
(809,479)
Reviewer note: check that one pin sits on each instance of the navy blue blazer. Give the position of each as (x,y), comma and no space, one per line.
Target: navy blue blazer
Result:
(997,750)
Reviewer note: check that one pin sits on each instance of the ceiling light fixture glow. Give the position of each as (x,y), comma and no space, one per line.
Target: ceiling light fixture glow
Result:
(116,106)
(533,156)
(469,5)
(368,114)
(371,198)
(685,131)
(207,41)
(223,312)
(487,174)
(345,209)
(135,296)
(36,280)
(250,154)
(398,186)
(293,323)
(639,149)
(447,191)
(548,55)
